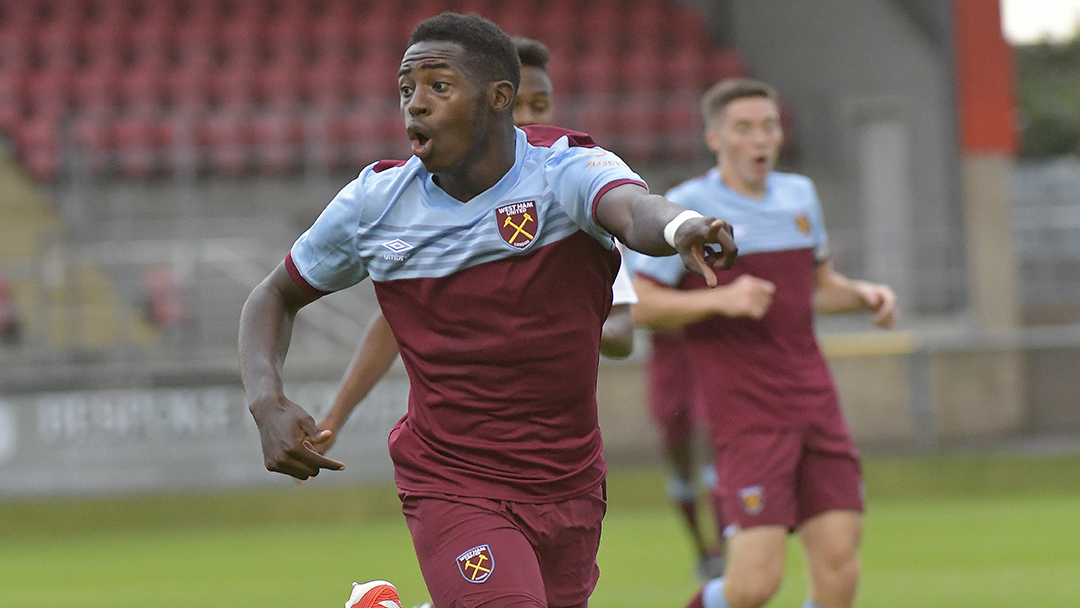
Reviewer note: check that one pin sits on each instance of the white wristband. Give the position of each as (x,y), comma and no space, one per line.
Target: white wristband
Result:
(673,225)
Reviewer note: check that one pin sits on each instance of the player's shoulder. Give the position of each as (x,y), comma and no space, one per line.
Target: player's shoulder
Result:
(695,185)
(387,175)
(546,136)
(791,181)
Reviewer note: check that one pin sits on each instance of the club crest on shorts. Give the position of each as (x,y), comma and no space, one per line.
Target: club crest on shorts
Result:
(802,222)
(517,223)
(753,499)
(476,564)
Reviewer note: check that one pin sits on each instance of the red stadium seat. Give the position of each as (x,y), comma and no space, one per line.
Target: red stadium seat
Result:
(375,77)
(598,73)
(236,83)
(140,138)
(596,117)
(637,127)
(642,69)
(92,139)
(325,137)
(681,126)
(144,85)
(225,135)
(49,89)
(325,81)
(37,142)
(281,81)
(278,137)
(373,131)
(98,84)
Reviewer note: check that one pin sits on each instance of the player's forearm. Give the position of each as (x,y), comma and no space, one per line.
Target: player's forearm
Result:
(265,329)
(836,294)
(369,364)
(664,309)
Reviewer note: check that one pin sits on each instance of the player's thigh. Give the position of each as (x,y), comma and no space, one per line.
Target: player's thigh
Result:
(472,554)
(567,538)
(756,478)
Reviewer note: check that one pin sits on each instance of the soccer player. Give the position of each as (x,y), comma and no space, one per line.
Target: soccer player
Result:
(785,458)
(492,255)
(534,105)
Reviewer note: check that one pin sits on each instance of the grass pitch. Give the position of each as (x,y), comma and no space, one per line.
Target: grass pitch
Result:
(956,532)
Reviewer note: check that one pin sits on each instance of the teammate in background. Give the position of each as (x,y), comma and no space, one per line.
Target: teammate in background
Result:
(491,252)
(534,105)
(675,409)
(785,458)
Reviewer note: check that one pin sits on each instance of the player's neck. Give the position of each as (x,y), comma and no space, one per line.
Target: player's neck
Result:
(481,168)
(735,182)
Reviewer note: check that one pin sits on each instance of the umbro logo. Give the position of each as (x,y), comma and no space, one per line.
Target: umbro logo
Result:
(397,247)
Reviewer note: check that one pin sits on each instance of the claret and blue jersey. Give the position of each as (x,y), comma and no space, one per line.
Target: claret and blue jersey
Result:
(497,304)
(771,371)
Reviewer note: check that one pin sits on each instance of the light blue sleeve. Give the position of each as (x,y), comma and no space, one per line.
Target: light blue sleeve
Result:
(579,175)
(326,254)
(668,269)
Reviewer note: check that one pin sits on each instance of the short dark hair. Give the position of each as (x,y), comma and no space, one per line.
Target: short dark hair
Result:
(717,98)
(532,53)
(490,54)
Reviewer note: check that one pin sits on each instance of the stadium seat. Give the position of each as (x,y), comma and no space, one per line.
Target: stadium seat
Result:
(49,89)
(235,83)
(140,138)
(280,82)
(680,125)
(144,84)
(278,137)
(37,143)
(637,127)
(92,137)
(189,85)
(98,84)
(225,136)
(328,81)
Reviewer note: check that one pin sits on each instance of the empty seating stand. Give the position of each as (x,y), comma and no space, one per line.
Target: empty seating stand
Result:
(149,88)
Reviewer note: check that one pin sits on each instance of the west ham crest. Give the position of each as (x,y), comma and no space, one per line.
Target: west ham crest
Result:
(803,223)
(517,223)
(753,499)
(476,564)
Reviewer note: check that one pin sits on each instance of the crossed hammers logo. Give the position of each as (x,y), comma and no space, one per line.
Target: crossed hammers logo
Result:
(519,228)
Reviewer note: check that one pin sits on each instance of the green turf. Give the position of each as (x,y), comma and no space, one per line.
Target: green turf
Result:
(978,531)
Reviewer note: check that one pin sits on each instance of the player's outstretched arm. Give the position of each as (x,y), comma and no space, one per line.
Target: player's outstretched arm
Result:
(369,364)
(836,294)
(287,431)
(647,222)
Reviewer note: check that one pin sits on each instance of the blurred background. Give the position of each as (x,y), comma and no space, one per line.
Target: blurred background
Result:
(159,157)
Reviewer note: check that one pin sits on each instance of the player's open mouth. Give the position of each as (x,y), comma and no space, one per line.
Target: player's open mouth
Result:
(421,143)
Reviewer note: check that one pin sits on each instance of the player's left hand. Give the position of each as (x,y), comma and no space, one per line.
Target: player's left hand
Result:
(881,300)
(693,240)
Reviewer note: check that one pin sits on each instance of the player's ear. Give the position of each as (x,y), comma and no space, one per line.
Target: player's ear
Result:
(711,140)
(501,96)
